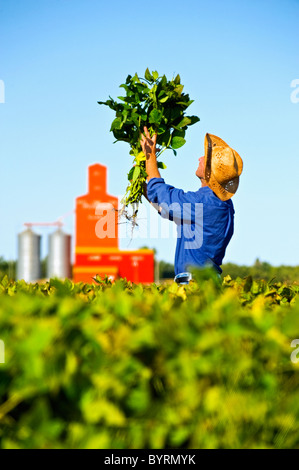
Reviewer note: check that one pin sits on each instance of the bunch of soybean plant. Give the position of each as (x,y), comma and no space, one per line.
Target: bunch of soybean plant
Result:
(160,105)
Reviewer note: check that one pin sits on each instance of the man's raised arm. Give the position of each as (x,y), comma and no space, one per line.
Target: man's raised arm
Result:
(148,145)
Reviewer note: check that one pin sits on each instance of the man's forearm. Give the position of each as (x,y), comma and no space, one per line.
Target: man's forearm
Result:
(152,167)
(148,145)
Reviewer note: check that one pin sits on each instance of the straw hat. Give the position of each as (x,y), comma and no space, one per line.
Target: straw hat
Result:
(223,166)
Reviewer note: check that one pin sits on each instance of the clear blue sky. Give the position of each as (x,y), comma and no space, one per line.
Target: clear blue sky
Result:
(237,60)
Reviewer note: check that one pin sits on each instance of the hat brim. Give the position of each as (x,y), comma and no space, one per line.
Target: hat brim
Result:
(223,191)
(219,189)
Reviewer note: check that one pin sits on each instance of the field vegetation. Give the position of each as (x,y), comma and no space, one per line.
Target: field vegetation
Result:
(208,365)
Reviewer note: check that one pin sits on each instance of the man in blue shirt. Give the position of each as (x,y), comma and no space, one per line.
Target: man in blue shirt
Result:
(204,218)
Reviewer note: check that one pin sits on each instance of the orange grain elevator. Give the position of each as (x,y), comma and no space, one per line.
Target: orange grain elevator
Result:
(96,240)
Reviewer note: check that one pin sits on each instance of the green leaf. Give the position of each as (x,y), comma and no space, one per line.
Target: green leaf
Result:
(130,174)
(155,116)
(177,80)
(125,87)
(163,82)
(162,165)
(155,75)
(162,128)
(194,119)
(186,104)
(164,99)
(178,133)
(178,89)
(140,157)
(164,139)
(186,121)
(148,76)
(135,79)
(136,173)
(116,124)
(173,114)
(177,142)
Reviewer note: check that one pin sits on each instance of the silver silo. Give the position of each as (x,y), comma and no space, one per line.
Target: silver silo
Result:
(29,264)
(59,255)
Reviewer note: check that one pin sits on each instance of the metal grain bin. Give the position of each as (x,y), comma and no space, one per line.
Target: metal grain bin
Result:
(29,264)
(59,255)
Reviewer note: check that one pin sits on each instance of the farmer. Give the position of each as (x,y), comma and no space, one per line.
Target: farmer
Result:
(204,218)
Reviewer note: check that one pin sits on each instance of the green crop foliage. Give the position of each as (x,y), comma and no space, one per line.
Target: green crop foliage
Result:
(119,365)
(160,105)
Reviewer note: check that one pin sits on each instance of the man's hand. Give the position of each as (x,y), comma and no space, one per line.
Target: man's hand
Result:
(148,144)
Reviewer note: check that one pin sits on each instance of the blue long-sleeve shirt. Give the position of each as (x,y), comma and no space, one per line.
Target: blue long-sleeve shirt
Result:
(205,224)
